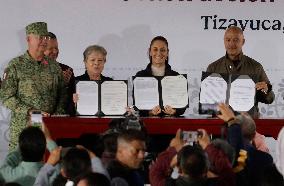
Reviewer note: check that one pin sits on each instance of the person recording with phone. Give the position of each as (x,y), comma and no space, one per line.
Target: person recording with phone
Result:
(241,132)
(23,164)
(192,165)
(191,162)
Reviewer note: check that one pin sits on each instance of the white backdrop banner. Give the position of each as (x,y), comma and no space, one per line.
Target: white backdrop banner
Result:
(194,29)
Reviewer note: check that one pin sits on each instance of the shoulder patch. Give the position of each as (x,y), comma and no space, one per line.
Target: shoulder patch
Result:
(5,75)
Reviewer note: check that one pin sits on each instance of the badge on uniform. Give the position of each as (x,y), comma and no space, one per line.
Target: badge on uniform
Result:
(5,75)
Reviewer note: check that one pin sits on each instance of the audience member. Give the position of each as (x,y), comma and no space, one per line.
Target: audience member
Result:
(271,177)
(241,131)
(129,157)
(1,181)
(235,62)
(32,82)
(280,152)
(110,148)
(159,66)
(190,160)
(259,142)
(75,162)
(92,179)
(22,165)
(116,126)
(221,157)
(11,184)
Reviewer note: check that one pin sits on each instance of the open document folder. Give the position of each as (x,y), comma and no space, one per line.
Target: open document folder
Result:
(236,90)
(168,90)
(102,98)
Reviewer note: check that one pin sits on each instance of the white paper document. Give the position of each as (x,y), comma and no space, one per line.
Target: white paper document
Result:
(88,97)
(242,94)
(213,90)
(174,91)
(146,93)
(113,97)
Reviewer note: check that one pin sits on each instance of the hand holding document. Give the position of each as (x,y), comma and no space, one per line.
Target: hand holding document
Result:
(238,91)
(146,93)
(102,98)
(113,97)
(213,90)
(242,94)
(89,97)
(174,91)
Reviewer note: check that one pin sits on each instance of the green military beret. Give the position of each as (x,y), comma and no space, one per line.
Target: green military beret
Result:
(38,28)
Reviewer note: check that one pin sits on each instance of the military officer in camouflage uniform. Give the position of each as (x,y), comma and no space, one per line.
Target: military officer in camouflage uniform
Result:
(32,82)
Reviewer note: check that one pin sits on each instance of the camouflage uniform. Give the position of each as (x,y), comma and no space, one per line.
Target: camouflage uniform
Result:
(29,84)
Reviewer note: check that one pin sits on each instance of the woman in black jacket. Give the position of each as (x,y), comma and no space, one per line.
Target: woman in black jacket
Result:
(94,60)
(159,66)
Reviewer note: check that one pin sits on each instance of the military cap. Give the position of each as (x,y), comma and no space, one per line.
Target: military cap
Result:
(38,28)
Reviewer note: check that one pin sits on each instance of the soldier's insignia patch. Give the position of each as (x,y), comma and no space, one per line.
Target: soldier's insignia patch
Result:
(5,75)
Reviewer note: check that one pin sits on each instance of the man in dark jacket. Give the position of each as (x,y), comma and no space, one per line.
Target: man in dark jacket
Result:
(52,52)
(129,157)
(235,62)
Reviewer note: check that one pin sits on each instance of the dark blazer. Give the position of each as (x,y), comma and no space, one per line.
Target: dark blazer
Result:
(85,77)
(148,73)
(70,88)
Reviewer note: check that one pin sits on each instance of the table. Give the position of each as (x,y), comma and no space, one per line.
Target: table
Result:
(73,127)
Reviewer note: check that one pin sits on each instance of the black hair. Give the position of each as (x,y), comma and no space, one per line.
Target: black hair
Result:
(75,162)
(158,38)
(131,135)
(110,142)
(193,162)
(92,142)
(52,35)
(117,125)
(271,177)
(59,181)
(11,184)
(32,144)
(93,179)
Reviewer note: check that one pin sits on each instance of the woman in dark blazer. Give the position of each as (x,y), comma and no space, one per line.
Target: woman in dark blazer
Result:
(94,60)
(159,66)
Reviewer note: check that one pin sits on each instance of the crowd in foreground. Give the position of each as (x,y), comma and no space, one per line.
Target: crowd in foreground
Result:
(234,160)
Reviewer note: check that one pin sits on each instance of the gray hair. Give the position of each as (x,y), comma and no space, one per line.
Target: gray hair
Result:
(248,126)
(94,48)
(127,136)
